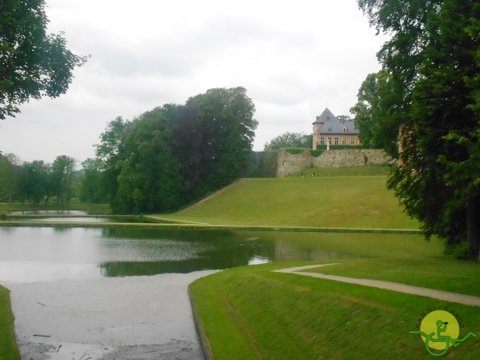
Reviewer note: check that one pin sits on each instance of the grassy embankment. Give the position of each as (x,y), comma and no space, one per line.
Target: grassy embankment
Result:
(339,201)
(8,346)
(254,313)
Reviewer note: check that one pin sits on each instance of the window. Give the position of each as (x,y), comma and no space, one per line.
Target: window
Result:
(352,141)
(344,141)
(336,141)
(322,141)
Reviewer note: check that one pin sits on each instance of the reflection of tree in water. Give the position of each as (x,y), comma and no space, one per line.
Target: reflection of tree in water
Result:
(215,250)
(217,259)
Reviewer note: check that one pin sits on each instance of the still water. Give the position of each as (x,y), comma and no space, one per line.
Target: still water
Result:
(29,254)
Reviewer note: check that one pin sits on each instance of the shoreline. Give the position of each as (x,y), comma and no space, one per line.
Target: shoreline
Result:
(191,226)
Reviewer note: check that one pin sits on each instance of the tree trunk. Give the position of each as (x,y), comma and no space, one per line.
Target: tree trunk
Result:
(473,225)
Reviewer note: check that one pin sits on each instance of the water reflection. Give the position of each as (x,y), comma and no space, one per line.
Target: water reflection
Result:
(44,253)
(37,253)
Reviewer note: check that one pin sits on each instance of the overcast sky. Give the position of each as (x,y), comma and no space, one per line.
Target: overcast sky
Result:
(294,58)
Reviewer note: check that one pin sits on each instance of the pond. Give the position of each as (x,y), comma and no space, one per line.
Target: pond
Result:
(29,254)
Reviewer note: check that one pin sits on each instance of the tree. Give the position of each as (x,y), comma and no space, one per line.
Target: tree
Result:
(220,128)
(91,182)
(8,176)
(61,179)
(433,59)
(375,115)
(33,181)
(32,63)
(149,178)
(109,153)
(289,139)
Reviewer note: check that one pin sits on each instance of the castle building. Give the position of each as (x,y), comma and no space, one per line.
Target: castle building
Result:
(328,130)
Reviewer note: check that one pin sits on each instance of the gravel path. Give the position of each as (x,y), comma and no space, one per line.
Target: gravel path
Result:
(387,285)
(144,317)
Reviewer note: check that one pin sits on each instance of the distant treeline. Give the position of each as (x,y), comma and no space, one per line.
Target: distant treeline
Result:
(37,182)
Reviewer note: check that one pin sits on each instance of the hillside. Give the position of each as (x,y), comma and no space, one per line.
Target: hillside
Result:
(325,201)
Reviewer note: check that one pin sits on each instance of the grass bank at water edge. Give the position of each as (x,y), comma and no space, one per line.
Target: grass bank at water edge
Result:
(8,346)
(259,314)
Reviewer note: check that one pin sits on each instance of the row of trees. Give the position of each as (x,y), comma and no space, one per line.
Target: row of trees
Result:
(36,182)
(173,154)
(427,99)
(289,139)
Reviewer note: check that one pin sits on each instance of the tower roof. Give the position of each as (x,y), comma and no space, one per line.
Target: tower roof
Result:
(329,124)
(326,116)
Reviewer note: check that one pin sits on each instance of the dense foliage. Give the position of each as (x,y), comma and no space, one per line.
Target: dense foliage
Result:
(433,62)
(289,139)
(174,154)
(37,182)
(32,63)
(374,113)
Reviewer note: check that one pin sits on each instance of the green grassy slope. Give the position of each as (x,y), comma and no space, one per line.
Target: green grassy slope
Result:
(259,314)
(8,346)
(333,201)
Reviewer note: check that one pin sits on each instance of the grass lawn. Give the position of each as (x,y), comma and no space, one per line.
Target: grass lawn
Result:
(253,313)
(8,346)
(324,201)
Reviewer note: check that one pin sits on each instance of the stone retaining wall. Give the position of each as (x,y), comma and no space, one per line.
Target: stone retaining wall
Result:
(292,163)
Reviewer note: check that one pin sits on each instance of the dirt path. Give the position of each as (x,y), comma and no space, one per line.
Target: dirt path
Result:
(387,285)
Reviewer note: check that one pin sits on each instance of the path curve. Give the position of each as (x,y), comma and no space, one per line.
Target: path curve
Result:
(386,285)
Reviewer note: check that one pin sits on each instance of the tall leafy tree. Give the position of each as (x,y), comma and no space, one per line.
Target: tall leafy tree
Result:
(32,63)
(61,179)
(33,179)
(8,176)
(434,59)
(224,118)
(109,153)
(374,112)
(92,188)
(149,178)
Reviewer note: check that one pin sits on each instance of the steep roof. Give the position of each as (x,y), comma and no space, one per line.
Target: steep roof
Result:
(331,125)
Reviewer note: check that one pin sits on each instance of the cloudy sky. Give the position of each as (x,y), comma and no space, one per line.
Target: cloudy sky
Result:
(294,58)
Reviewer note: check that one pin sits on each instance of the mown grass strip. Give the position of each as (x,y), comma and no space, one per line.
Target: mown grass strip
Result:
(8,346)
